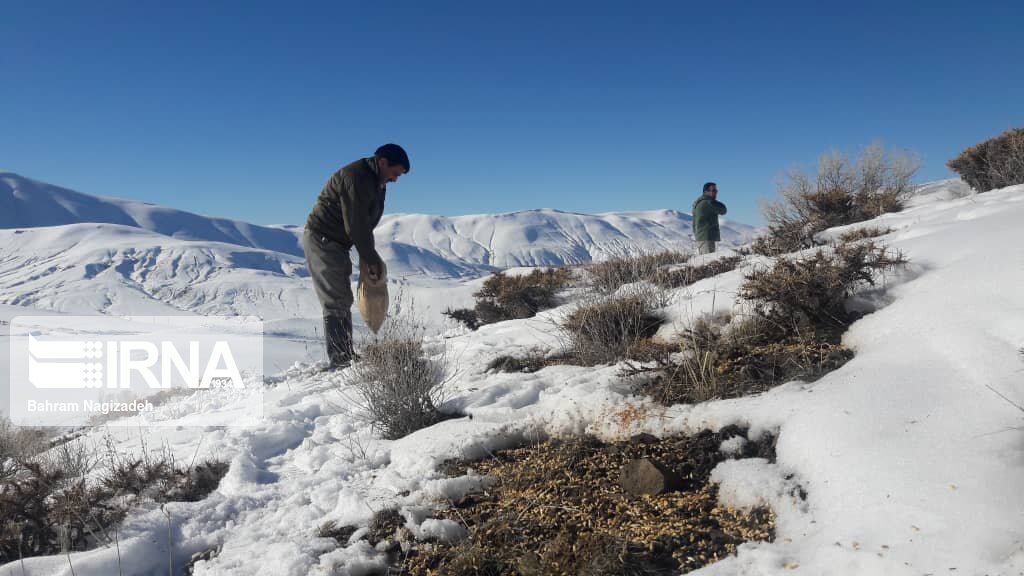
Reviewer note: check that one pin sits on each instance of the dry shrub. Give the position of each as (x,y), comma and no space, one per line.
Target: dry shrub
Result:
(46,506)
(799,314)
(689,369)
(650,349)
(842,192)
(157,475)
(47,514)
(49,505)
(863,234)
(606,329)
(807,295)
(698,367)
(337,532)
(768,365)
(691,274)
(17,444)
(514,297)
(465,316)
(686,368)
(528,363)
(995,163)
(397,388)
(196,482)
(782,238)
(607,276)
(384,524)
(132,475)
(743,358)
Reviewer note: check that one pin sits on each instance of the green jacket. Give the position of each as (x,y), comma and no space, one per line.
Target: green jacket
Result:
(705,219)
(349,207)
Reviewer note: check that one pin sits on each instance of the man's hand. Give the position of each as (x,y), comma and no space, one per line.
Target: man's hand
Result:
(374,271)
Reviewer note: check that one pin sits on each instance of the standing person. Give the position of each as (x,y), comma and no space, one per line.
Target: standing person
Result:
(345,214)
(706,211)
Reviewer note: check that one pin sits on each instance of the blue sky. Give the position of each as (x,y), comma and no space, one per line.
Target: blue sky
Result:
(243,109)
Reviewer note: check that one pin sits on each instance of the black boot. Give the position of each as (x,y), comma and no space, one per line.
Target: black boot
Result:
(338,336)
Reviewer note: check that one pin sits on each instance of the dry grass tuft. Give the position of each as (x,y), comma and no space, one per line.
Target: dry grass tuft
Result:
(691,274)
(465,316)
(49,504)
(528,363)
(397,388)
(336,532)
(505,297)
(607,276)
(607,329)
(513,297)
(863,234)
(384,524)
(730,367)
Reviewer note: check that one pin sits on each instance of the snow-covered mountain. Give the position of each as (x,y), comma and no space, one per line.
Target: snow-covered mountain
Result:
(907,460)
(538,237)
(117,269)
(71,252)
(27,203)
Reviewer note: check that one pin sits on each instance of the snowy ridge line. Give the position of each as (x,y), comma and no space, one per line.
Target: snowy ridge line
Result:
(27,203)
(66,251)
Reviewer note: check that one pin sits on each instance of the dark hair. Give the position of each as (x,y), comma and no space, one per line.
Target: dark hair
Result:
(394,154)
(709,186)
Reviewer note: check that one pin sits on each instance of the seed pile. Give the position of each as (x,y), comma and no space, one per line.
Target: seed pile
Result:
(558,508)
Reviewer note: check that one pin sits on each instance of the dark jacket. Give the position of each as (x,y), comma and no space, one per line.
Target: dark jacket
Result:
(705,219)
(349,207)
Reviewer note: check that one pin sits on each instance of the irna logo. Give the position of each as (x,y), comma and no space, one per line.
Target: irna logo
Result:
(68,364)
(186,370)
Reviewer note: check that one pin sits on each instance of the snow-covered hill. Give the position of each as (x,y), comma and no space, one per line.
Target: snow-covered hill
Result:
(71,252)
(117,269)
(27,203)
(906,459)
(537,237)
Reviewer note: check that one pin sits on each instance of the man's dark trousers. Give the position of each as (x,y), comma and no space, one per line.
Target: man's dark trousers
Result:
(331,270)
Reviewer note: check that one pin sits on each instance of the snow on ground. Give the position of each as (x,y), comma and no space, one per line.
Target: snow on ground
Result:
(909,462)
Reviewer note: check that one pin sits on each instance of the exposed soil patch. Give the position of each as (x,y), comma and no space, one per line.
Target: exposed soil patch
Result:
(558,508)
